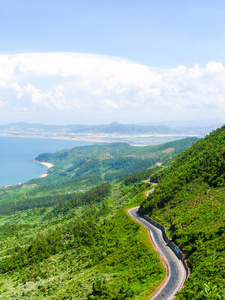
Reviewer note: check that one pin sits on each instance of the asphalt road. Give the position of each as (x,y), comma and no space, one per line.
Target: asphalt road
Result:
(147,193)
(176,272)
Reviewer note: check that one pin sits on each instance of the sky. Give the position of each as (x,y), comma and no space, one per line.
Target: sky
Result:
(94,62)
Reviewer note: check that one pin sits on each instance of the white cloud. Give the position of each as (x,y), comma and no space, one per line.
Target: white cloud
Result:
(3,103)
(17,89)
(36,95)
(8,66)
(76,81)
(107,104)
(213,68)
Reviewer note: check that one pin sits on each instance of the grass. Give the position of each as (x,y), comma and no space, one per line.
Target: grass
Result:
(128,263)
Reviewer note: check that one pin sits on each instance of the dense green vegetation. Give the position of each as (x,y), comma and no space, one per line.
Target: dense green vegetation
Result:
(68,236)
(92,165)
(74,240)
(66,251)
(189,201)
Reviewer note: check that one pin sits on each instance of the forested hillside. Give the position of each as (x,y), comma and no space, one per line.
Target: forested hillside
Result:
(189,201)
(92,165)
(72,239)
(83,246)
(67,238)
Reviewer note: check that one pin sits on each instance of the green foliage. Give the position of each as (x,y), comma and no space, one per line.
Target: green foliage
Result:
(66,201)
(95,164)
(98,252)
(189,201)
(70,239)
(209,292)
(138,176)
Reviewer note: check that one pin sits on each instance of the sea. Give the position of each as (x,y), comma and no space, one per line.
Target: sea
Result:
(17,153)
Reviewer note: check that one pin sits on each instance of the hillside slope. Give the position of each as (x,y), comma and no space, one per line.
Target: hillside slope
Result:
(68,240)
(83,246)
(99,163)
(189,201)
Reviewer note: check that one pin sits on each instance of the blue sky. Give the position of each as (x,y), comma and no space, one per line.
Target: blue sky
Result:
(153,60)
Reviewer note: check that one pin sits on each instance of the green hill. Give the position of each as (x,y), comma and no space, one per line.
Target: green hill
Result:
(189,201)
(65,237)
(68,238)
(79,246)
(92,165)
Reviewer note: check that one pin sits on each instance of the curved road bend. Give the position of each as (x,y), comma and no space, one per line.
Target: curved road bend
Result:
(176,271)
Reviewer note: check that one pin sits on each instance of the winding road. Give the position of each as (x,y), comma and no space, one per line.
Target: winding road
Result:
(176,272)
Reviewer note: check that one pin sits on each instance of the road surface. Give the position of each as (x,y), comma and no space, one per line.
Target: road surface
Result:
(176,272)
(147,193)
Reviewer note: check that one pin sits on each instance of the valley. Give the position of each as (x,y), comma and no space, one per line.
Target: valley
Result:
(67,235)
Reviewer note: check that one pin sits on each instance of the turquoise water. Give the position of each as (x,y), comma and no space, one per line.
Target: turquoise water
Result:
(16,155)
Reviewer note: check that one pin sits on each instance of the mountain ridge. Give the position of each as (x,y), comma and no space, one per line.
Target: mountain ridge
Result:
(111,128)
(189,202)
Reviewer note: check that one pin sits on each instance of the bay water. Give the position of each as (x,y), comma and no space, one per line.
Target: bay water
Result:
(17,153)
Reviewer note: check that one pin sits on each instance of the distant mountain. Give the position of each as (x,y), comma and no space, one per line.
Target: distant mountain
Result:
(23,126)
(117,128)
(113,128)
(201,127)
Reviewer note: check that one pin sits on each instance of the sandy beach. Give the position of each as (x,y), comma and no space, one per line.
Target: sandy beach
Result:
(48,165)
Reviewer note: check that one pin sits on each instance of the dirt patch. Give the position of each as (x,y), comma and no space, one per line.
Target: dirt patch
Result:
(104,156)
(168,150)
(29,186)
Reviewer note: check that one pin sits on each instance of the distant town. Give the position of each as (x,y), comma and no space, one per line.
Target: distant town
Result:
(106,133)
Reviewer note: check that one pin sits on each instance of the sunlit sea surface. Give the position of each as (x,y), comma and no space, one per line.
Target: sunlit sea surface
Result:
(17,153)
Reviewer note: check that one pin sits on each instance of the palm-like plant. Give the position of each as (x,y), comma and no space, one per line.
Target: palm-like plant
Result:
(209,292)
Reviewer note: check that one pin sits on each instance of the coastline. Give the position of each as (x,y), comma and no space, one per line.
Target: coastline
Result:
(46,164)
(50,137)
(107,138)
